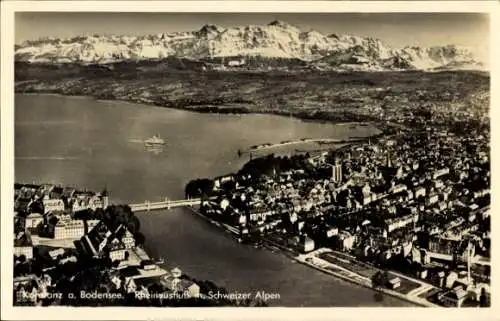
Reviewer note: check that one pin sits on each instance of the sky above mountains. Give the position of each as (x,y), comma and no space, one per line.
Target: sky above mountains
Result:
(395,29)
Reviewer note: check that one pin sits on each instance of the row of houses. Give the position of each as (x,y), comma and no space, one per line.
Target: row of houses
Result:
(54,199)
(131,280)
(72,229)
(23,245)
(101,242)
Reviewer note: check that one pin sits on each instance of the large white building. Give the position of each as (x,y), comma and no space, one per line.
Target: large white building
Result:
(33,220)
(53,205)
(337,173)
(69,229)
(116,250)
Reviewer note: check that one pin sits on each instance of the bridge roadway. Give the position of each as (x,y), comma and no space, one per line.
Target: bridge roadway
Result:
(167,204)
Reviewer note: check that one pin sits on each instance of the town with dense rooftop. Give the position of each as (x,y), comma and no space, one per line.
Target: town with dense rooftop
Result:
(391,197)
(407,213)
(72,248)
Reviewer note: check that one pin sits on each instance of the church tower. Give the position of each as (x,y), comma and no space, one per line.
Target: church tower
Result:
(337,171)
(105,198)
(389,160)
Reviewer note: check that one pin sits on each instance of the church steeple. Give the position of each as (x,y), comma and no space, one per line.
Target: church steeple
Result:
(389,161)
(105,197)
(104,191)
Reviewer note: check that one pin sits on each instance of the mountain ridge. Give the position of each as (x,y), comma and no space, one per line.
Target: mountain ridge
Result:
(275,40)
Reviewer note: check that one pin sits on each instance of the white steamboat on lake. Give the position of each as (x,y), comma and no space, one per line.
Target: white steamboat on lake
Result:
(155,141)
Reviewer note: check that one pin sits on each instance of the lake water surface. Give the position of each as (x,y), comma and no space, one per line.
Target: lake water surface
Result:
(93,144)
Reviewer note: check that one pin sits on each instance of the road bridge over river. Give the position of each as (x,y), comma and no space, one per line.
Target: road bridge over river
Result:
(167,204)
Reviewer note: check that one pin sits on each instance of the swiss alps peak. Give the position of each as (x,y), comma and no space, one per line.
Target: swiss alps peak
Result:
(275,40)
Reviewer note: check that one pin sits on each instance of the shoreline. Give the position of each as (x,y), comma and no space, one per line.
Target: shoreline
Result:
(320,141)
(360,280)
(360,283)
(353,279)
(220,110)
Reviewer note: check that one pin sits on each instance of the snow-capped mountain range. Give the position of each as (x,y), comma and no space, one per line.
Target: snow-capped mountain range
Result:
(274,40)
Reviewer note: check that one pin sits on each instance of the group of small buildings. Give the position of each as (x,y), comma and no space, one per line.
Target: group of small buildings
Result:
(428,191)
(409,108)
(52,208)
(101,242)
(55,198)
(132,273)
(166,284)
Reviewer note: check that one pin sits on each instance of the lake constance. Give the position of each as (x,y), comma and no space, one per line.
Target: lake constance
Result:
(93,144)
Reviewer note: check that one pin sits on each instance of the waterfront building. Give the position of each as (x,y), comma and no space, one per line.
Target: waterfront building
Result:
(148,265)
(32,221)
(176,272)
(53,205)
(96,202)
(307,244)
(114,278)
(71,258)
(23,245)
(192,289)
(450,248)
(236,63)
(80,205)
(394,283)
(68,192)
(345,241)
(65,228)
(125,236)
(68,229)
(55,253)
(176,284)
(101,242)
(332,231)
(22,205)
(45,190)
(56,192)
(454,298)
(26,293)
(116,250)
(143,285)
(130,286)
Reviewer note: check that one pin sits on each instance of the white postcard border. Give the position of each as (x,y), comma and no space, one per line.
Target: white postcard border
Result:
(7,163)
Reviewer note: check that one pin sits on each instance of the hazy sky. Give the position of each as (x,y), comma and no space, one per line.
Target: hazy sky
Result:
(395,29)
